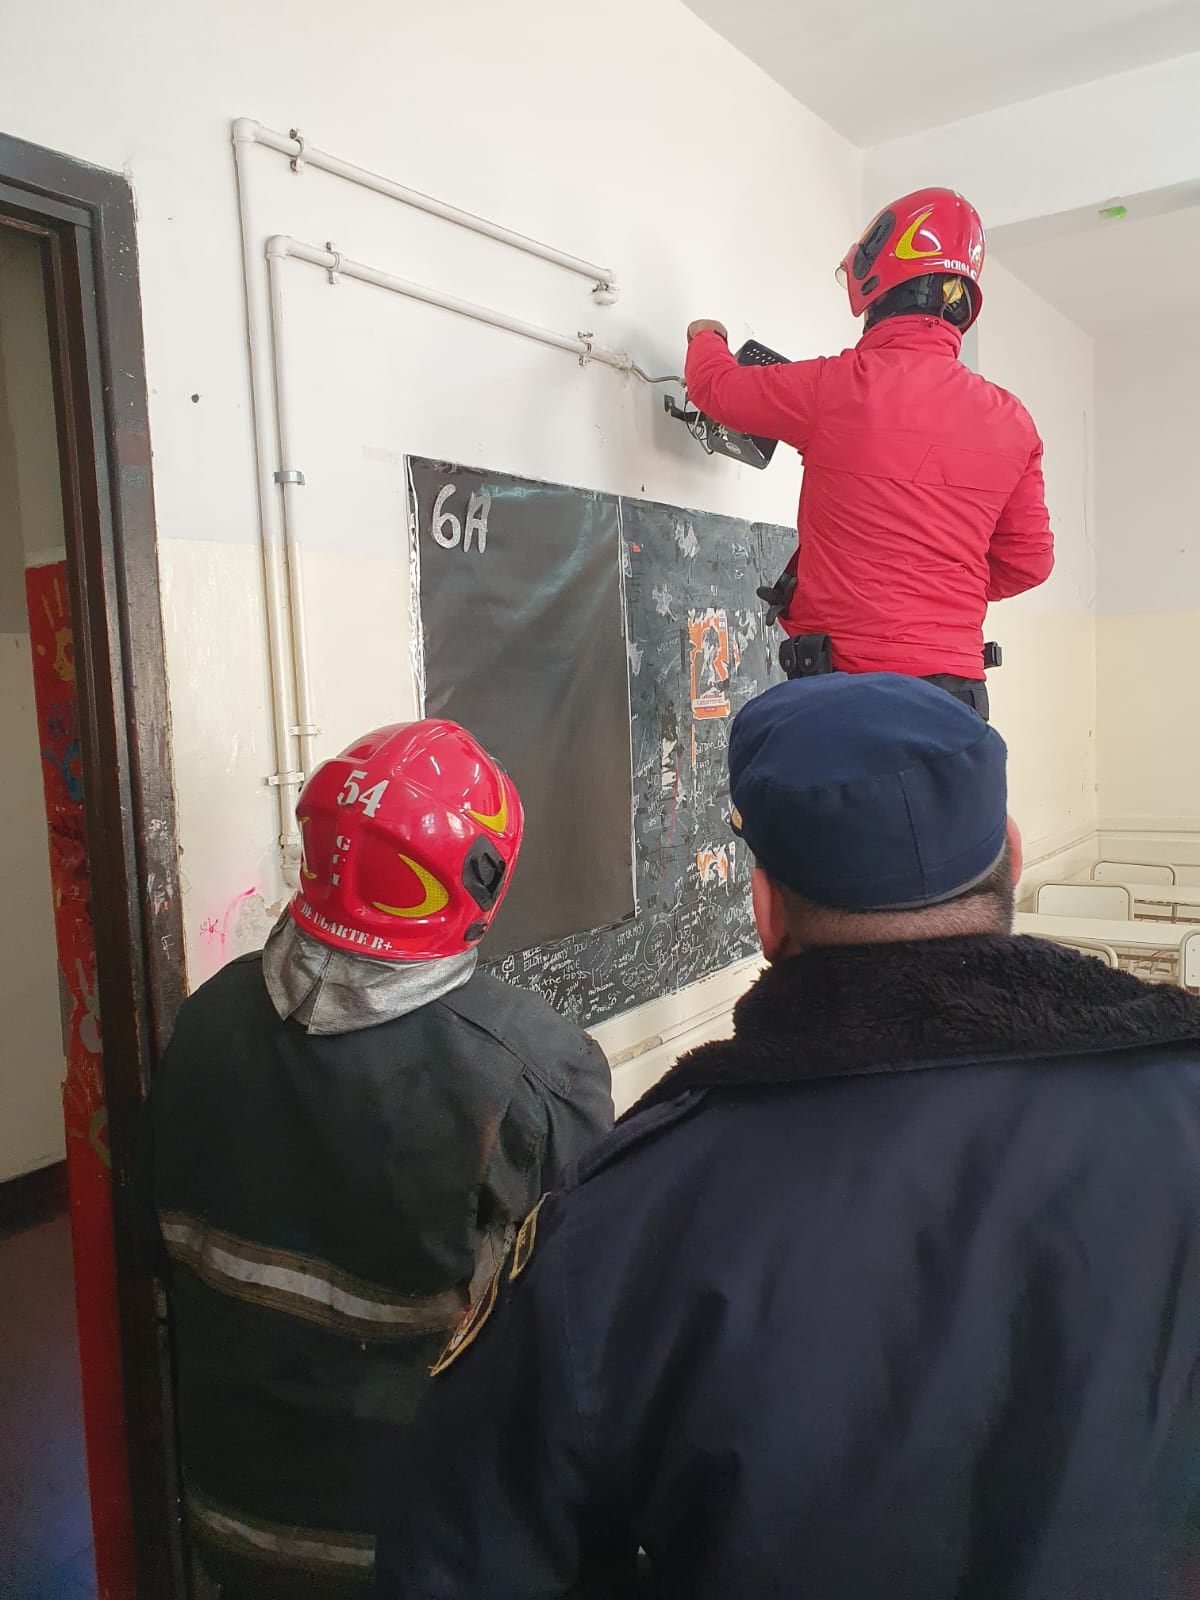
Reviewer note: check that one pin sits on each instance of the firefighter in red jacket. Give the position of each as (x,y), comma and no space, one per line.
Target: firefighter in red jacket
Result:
(923,497)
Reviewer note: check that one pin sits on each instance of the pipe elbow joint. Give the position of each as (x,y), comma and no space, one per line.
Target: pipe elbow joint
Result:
(608,291)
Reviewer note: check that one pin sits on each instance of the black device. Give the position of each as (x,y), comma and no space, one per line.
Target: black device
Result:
(751,449)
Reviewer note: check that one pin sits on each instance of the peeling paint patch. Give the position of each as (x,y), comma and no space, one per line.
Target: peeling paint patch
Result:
(685,538)
(218,930)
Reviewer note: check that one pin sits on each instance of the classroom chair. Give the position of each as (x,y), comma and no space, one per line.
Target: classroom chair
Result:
(1132,872)
(1092,947)
(1085,900)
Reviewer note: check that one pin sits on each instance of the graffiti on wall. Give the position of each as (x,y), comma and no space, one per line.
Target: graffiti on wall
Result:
(55,696)
(85,1115)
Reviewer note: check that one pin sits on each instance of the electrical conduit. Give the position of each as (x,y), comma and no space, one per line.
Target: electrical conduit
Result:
(278,478)
(247,131)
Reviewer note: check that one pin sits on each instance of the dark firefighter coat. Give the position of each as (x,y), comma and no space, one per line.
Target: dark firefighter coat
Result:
(895,1296)
(329,1205)
(922,498)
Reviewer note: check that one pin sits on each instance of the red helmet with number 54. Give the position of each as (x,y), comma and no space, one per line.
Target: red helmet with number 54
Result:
(409,838)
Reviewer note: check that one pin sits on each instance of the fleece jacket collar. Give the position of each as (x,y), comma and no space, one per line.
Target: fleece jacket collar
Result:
(859,1010)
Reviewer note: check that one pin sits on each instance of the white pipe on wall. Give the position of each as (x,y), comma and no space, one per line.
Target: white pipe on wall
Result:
(278,476)
(291,493)
(582,345)
(605,289)
(288,775)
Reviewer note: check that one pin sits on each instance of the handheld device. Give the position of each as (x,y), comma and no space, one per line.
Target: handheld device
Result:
(713,437)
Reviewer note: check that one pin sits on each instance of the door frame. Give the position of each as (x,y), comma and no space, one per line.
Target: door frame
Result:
(87,221)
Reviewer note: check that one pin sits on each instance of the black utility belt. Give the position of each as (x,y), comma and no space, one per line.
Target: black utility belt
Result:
(807,655)
(810,655)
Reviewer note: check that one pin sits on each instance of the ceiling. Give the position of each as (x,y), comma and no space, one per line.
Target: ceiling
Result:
(884,68)
(1106,274)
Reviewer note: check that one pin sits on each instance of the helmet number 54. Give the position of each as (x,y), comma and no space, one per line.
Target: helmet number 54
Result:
(369,799)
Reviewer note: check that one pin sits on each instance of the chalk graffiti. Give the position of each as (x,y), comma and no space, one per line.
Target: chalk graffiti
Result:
(663,603)
(669,765)
(709,635)
(657,948)
(685,537)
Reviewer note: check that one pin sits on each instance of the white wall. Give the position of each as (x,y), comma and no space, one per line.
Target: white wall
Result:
(31,1056)
(1030,166)
(1044,697)
(1149,623)
(1121,135)
(632,135)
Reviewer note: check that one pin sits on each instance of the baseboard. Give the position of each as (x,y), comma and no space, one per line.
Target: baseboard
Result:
(34,1196)
(1037,852)
(650,1026)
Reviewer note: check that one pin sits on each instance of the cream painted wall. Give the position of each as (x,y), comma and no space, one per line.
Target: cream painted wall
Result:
(1120,135)
(553,124)
(557,120)
(31,1055)
(1044,697)
(1149,622)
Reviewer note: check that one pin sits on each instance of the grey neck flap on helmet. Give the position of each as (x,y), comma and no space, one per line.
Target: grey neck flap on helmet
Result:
(331,991)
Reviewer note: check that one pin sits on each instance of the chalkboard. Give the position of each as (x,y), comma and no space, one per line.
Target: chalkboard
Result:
(524,643)
(696,648)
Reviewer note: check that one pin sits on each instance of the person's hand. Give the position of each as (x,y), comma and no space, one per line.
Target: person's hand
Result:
(705,325)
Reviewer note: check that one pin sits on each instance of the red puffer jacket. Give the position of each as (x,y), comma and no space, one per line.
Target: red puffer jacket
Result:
(922,498)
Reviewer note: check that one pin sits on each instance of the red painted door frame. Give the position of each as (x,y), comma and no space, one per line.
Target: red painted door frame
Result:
(115,856)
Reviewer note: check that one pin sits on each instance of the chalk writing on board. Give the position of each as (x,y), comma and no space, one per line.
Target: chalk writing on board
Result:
(446,529)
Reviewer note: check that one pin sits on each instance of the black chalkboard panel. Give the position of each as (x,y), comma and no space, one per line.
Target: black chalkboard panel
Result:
(524,644)
(696,648)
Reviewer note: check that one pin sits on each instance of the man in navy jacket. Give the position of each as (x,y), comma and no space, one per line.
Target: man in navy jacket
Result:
(893,1296)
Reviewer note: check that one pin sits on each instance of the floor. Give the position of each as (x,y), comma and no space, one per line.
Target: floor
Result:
(45,1532)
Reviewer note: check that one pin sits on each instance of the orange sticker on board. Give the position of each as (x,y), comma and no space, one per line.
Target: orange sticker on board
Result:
(709,635)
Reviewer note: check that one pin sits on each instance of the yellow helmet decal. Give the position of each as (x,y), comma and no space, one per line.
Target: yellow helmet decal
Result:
(498,821)
(303,862)
(435,897)
(906,250)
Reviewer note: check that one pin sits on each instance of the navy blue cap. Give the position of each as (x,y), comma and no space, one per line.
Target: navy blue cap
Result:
(868,792)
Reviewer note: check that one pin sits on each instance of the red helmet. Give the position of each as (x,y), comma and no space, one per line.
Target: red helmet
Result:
(410,837)
(930,231)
